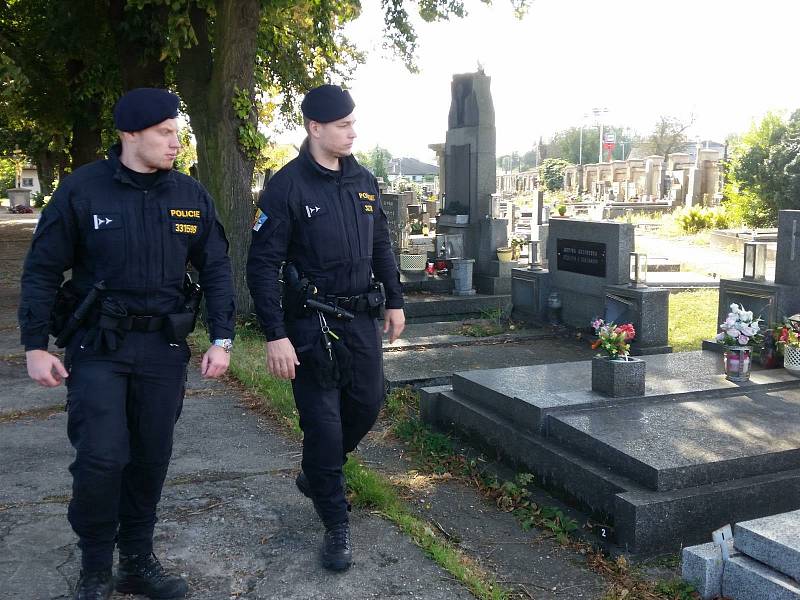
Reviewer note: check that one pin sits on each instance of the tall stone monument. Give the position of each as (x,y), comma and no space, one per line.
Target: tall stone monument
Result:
(470,164)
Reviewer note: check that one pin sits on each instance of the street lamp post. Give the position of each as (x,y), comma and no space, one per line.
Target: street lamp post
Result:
(597,112)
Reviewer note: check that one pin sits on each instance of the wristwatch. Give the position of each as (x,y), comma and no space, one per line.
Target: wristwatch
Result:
(226,344)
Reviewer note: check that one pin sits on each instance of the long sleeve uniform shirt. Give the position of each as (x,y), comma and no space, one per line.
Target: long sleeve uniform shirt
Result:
(331,225)
(105,227)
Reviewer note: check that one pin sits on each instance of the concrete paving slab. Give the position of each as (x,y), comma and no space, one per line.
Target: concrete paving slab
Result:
(773,540)
(418,336)
(747,579)
(231,519)
(19,393)
(702,566)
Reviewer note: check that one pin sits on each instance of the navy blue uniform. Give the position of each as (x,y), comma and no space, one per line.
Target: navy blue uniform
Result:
(332,226)
(123,405)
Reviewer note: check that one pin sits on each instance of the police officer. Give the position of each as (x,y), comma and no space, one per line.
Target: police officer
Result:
(322,213)
(126,226)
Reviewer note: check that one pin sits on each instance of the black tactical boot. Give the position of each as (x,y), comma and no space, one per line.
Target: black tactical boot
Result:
(305,488)
(95,585)
(337,553)
(143,574)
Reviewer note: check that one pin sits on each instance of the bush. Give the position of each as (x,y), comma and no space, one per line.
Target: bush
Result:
(38,200)
(700,218)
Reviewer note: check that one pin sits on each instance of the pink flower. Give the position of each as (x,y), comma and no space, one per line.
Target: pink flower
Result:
(628,330)
(743,339)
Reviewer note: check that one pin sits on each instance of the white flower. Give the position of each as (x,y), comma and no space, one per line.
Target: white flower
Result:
(734,333)
(730,322)
(720,337)
(747,330)
(747,316)
(735,309)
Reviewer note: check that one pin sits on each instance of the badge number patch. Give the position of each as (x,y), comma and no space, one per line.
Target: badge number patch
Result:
(187,228)
(367,208)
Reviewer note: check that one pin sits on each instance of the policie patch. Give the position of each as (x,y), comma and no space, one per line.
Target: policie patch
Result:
(184,213)
(185,228)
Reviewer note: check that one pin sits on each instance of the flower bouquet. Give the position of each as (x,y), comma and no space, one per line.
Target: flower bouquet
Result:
(613,339)
(739,333)
(787,337)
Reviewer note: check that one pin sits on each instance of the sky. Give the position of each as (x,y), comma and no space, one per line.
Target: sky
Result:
(721,62)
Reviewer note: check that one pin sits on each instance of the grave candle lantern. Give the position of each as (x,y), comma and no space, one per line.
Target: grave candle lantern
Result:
(755,261)
(534,259)
(638,272)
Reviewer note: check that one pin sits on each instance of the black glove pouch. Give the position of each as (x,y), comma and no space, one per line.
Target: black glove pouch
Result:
(67,300)
(332,371)
(178,326)
(106,334)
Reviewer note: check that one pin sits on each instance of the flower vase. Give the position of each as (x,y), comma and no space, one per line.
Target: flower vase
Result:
(791,359)
(737,363)
(618,377)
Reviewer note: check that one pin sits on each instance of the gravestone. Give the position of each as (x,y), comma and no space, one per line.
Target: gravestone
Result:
(770,300)
(396,208)
(470,164)
(589,267)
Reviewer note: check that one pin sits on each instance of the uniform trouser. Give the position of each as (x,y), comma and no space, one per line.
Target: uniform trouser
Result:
(122,408)
(335,421)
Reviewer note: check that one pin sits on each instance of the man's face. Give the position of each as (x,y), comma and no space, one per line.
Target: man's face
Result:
(336,137)
(157,146)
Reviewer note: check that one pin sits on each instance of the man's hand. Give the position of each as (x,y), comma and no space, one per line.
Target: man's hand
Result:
(281,358)
(44,368)
(394,322)
(215,362)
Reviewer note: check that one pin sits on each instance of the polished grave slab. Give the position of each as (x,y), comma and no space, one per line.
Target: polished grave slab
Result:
(664,469)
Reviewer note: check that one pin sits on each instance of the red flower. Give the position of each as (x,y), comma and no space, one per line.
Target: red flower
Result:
(628,330)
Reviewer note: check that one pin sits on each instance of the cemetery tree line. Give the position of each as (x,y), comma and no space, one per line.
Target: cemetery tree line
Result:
(763,172)
(63,64)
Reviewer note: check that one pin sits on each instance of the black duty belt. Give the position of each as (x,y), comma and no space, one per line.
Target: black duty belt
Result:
(143,323)
(352,303)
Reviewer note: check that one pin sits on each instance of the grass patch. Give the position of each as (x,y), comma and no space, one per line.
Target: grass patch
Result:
(272,395)
(692,318)
(373,491)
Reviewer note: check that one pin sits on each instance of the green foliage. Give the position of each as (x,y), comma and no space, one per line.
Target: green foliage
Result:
(7,175)
(376,160)
(698,218)
(764,170)
(551,173)
(251,141)
(188,152)
(677,589)
(38,200)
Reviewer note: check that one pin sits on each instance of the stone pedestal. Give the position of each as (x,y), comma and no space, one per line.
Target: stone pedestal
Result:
(19,196)
(496,278)
(647,309)
(529,291)
(618,378)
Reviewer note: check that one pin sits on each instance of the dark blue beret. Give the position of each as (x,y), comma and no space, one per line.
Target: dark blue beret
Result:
(327,103)
(144,107)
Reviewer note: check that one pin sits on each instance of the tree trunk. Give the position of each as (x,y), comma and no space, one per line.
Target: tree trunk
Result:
(138,47)
(207,85)
(46,168)
(86,138)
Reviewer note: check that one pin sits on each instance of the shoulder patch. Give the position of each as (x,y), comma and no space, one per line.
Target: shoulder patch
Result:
(259,219)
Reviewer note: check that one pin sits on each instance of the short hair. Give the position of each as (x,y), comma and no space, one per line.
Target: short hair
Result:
(306,122)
